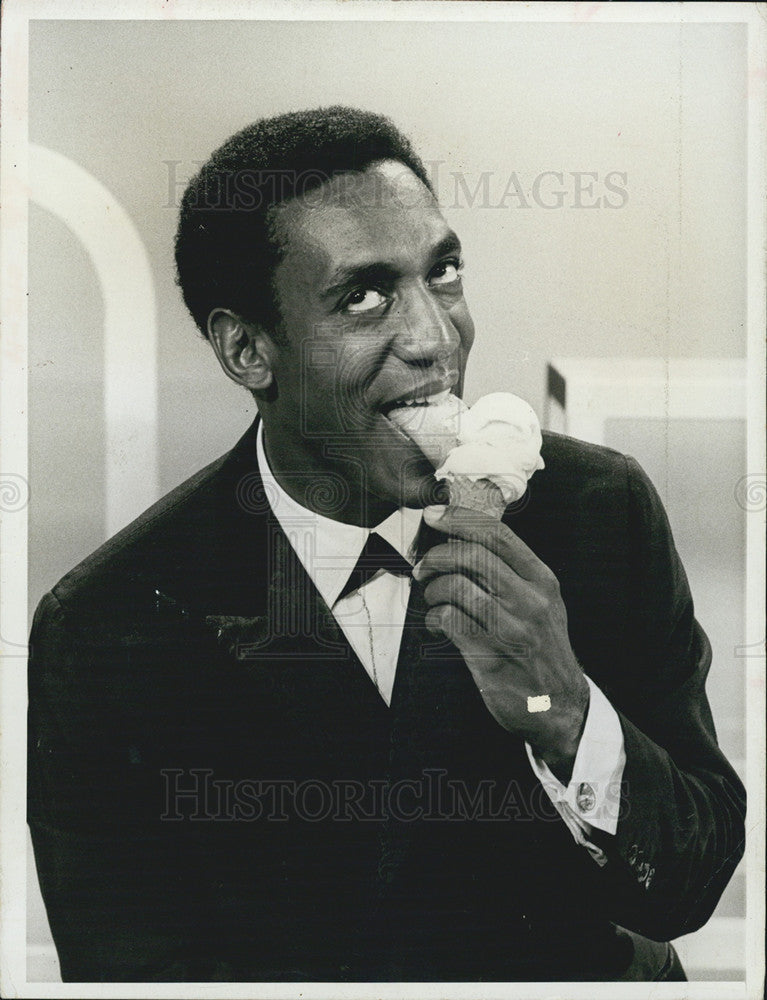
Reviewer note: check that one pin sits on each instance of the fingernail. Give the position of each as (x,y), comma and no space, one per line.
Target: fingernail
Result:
(433,513)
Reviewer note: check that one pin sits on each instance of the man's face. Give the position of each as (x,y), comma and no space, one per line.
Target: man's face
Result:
(371,298)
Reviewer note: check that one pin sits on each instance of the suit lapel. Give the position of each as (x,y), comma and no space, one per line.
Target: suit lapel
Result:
(239,577)
(243,582)
(290,620)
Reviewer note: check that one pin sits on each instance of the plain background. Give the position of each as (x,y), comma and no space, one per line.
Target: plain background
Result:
(661,276)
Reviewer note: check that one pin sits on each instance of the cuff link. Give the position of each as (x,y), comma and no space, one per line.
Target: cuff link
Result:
(585,798)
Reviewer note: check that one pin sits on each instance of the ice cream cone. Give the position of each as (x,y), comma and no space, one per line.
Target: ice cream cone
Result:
(480,495)
(485,453)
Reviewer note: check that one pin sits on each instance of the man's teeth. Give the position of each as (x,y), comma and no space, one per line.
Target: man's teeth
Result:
(437,397)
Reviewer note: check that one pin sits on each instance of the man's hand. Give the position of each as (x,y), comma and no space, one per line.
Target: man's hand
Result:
(500,605)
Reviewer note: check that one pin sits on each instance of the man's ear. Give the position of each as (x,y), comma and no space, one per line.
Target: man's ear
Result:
(243,351)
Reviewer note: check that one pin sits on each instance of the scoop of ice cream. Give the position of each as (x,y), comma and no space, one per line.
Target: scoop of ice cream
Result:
(499,440)
(434,425)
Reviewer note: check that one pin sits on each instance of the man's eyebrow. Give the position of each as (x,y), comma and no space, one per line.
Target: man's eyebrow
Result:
(382,272)
(448,244)
(349,277)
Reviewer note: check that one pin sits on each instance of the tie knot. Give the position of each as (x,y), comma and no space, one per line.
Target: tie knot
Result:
(377,554)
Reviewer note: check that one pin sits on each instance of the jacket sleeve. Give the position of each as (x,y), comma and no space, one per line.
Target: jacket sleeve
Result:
(109,866)
(680,831)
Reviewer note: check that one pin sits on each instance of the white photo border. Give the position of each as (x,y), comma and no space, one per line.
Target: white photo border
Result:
(13,460)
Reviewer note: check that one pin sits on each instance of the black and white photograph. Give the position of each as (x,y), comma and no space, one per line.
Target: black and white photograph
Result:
(382,495)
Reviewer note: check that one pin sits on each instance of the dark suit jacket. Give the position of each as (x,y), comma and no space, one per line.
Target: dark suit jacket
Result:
(191,654)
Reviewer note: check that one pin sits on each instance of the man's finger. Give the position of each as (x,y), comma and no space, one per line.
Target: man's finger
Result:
(490,620)
(473,526)
(473,560)
(453,623)
(463,593)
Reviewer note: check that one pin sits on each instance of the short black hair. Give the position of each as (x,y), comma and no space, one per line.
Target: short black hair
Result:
(226,249)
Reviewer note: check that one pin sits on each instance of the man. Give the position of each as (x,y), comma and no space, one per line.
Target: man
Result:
(250,762)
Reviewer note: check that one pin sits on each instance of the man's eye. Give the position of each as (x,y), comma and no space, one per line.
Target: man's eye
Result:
(447,273)
(364,300)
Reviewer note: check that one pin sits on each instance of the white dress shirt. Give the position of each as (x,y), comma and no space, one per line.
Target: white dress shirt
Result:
(373,617)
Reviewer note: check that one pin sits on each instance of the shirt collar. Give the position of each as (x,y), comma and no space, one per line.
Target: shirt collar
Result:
(329,549)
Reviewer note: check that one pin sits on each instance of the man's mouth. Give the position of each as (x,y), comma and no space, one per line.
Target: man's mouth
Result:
(420,400)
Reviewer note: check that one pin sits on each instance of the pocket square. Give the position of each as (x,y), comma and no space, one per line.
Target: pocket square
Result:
(237,634)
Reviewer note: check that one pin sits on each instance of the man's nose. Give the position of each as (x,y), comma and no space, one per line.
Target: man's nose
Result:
(426,336)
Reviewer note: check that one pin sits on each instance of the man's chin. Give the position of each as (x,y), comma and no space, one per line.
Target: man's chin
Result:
(403,475)
(425,492)
(415,487)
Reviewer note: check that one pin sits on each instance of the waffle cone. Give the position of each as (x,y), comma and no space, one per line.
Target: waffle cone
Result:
(480,495)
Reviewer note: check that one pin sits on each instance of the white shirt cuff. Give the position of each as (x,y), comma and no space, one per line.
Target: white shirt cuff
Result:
(592,798)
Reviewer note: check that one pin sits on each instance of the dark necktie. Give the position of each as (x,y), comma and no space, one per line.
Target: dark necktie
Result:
(377,554)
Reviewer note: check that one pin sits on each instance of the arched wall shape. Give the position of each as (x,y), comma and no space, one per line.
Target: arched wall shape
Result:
(122,268)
